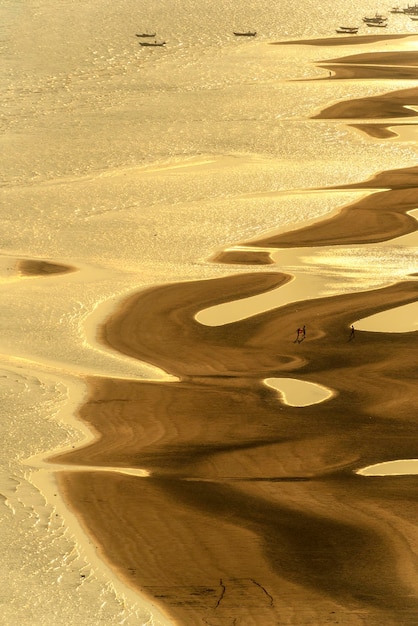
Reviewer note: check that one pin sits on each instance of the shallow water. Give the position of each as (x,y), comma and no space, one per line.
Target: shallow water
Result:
(133,166)
(296,392)
(399,467)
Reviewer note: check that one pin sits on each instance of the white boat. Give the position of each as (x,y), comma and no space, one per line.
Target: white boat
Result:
(152,44)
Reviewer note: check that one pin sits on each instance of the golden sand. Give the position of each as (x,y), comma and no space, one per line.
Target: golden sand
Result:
(253,513)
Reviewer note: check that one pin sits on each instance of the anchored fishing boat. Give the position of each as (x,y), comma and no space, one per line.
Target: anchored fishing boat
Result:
(377,19)
(150,43)
(347,30)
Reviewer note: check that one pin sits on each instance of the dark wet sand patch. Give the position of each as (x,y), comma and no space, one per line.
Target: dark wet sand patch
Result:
(241,257)
(375,218)
(389,105)
(369,72)
(340,41)
(33,267)
(212,553)
(378,131)
(392,58)
(208,547)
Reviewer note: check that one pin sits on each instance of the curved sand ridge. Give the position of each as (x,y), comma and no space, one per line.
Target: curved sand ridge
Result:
(350,40)
(381,216)
(222,426)
(253,513)
(386,65)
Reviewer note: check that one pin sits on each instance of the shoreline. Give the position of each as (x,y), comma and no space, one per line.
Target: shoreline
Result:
(252,509)
(380,216)
(195,455)
(343,41)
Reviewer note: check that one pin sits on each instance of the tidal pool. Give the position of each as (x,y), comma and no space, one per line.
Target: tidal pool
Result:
(401,467)
(296,392)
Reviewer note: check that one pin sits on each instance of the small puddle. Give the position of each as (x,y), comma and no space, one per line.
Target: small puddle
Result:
(318,272)
(403,319)
(296,392)
(299,288)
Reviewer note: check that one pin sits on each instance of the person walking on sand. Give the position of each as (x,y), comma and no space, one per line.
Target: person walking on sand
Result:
(351,333)
(300,334)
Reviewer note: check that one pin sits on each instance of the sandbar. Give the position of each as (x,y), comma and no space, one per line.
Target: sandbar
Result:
(380,216)
(250,503)
(340,41)
(251,512)
(39,267)
(243,257)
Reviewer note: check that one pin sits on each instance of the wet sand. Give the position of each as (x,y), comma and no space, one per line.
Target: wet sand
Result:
(342,40)
(380,216)
(253,513)
(242,257)
(33,267)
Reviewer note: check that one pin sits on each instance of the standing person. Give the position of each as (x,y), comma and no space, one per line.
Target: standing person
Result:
(304,331)
(351,333)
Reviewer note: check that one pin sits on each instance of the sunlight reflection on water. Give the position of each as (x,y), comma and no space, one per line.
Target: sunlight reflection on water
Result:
(403,319)
(401,467)
(319,272)
(296,392)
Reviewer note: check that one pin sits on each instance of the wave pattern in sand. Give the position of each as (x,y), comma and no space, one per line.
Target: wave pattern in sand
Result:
(252,513)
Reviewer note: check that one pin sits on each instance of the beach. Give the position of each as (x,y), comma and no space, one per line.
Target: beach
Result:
(187,485)
(237,478)
(253,512)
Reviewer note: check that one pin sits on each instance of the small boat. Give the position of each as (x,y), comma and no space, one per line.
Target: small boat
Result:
(378,19)
(150,43)
(146,35)
(411,9)
(250,33)
(350,30)
(376,24)
(396,10)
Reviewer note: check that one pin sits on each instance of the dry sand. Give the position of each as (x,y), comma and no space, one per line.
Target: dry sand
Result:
(253,513)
